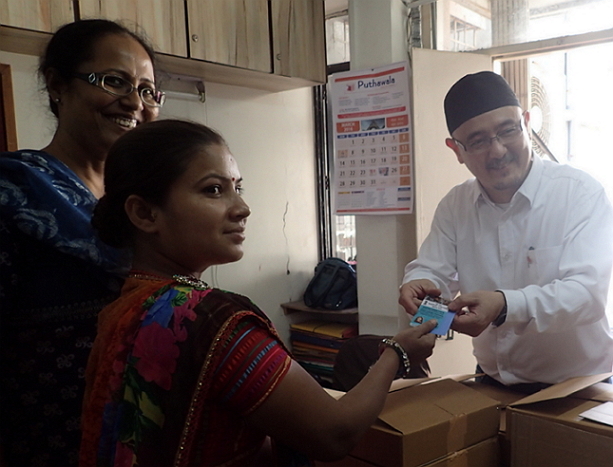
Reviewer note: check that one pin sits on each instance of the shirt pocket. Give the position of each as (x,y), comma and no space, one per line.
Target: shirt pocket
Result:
(544,264)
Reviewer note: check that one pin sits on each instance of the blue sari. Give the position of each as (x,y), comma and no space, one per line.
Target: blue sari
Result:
(55,276)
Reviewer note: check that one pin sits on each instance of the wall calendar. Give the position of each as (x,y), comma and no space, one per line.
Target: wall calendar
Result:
(372,141)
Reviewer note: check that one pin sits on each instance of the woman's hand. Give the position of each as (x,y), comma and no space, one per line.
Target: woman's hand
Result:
(300,414)
(417,341)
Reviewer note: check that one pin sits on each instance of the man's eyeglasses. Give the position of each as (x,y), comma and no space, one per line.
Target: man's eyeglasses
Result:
(118,86)
(508,135)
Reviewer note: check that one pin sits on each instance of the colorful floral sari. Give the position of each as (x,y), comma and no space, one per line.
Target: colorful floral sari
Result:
(173,372)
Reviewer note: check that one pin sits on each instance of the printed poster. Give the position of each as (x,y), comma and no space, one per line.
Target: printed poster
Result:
(372,141)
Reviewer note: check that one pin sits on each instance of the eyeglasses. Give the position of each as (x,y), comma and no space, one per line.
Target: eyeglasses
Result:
(505,136)
(118,86)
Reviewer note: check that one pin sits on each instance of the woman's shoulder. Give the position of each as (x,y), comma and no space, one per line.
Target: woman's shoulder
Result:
(29,168)
(204,302)
(31,177)
(27,158)
(231,302)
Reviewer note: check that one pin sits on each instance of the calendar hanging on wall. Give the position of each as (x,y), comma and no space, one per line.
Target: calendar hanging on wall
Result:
(372,141)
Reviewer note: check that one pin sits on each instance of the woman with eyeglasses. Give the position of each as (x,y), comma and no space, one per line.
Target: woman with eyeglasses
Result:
(54,275)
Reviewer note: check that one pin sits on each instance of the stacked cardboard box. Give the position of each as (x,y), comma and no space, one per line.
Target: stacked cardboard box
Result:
(438,423)
(483,454)
(546,428)
(315,344)
(444,423)
(549,429)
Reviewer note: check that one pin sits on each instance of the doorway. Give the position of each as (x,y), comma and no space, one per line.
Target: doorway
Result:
(8,129)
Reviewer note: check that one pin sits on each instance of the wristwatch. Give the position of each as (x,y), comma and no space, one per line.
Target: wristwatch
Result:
(405,364)
(502,316)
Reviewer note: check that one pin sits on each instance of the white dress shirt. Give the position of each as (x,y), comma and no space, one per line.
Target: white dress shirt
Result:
(550,251)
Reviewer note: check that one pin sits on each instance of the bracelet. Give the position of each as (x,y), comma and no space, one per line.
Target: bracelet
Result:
(405,364)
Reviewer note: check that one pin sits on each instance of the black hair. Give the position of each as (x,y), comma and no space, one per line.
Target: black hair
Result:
(146,161)
(73,44)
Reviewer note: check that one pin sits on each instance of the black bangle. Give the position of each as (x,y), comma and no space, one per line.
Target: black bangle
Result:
(502,316)
(405,364)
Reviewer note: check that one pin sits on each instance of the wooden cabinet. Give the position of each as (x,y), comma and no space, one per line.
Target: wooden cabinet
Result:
(298,30)
(37,15)
(231,32)
(272,45)
(285,37)
(163,21)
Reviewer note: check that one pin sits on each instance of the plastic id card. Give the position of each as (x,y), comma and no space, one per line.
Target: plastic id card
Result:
(434,308)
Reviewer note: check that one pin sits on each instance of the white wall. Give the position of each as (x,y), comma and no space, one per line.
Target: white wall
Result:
(272,137)
(386,243)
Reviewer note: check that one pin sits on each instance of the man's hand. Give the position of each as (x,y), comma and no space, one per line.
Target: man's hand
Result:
(475,311)
(413,292)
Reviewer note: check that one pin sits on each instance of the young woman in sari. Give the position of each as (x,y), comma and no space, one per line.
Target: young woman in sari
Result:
(185,375)
(54,275)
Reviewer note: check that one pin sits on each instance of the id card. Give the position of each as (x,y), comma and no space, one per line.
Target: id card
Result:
(434,308)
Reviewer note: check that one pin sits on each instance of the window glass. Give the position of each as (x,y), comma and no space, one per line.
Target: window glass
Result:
(570,110)
(464,25)
(337,39)
(342,227)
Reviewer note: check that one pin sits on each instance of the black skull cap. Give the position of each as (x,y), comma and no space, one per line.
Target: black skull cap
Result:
(476,94)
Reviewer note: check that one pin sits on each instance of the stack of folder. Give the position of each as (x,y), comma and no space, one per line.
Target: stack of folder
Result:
(315,344)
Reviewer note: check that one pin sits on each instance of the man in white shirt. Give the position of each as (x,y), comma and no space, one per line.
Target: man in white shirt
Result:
(528,243)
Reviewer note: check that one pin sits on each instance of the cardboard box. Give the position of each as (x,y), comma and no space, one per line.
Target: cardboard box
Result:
(483,454)
(546,428)
(423,423)
(583,387)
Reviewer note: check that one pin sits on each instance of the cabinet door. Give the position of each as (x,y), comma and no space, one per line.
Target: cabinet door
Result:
(298,31)
(38,15)
(162,21)
(231,32)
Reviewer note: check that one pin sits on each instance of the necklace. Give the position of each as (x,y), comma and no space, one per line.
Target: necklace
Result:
(180,278)
(191,281)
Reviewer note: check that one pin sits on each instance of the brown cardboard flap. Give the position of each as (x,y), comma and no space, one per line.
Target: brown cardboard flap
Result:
(436,402)
(564,389)
(399,384)
(566,412)
(396,385)
(503,395)
(460,378)
(602,392)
